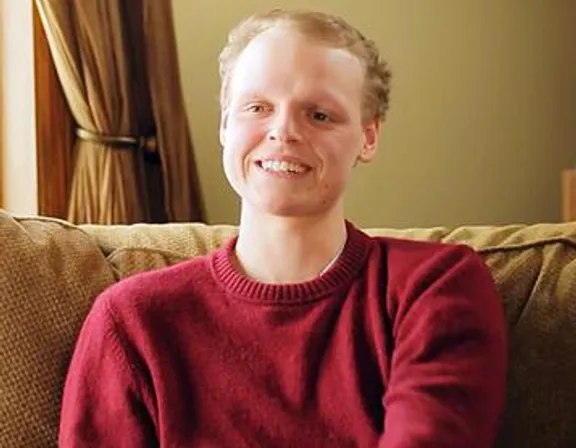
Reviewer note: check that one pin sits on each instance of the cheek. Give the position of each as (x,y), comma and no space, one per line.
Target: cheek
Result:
(240,141)
(350,149)
(243,132)
(228,162)
(232,169)
(235,157)
(341,155)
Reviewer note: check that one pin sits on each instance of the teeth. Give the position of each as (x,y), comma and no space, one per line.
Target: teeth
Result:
(286,167)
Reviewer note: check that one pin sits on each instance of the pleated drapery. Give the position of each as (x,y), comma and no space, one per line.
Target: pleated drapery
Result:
(118,67)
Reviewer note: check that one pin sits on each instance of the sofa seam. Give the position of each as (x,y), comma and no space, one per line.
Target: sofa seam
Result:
(164,252)
(527,245)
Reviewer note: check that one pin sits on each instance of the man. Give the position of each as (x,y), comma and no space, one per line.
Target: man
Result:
(302,331)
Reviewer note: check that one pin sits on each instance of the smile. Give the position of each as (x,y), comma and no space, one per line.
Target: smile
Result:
(277,166)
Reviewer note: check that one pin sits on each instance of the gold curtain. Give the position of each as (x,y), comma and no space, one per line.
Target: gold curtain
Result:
(119,72)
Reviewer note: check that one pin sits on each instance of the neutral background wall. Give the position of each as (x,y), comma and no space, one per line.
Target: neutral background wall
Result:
(18,141)
(483,111)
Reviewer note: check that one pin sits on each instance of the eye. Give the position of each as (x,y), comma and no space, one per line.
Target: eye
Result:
(320,116)
(254,108)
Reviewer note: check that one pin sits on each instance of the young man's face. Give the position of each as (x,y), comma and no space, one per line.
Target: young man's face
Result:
(292,129)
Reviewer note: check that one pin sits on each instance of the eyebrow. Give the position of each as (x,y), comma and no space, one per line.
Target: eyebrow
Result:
(325,98)
(250,96)
(309,100)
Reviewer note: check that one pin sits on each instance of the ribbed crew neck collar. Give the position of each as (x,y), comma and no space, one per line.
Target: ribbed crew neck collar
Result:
(340,274)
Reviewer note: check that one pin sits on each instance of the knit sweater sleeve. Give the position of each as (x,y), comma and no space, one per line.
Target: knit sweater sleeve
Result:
(103,403)
(448,367)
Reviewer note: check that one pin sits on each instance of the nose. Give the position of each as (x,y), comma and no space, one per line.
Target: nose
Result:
(284,127)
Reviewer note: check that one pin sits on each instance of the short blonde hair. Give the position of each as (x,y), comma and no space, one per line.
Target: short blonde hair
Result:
(324,28)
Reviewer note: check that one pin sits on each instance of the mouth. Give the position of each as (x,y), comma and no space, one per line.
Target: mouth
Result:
(283,167)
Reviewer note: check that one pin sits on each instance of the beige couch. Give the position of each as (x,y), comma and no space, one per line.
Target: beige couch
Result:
(51,271)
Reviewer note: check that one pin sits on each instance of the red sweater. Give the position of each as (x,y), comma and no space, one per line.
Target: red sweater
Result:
(400,344)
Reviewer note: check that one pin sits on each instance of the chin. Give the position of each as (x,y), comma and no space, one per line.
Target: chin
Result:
(285,211)
(282,208)
(290,209)
(286,205)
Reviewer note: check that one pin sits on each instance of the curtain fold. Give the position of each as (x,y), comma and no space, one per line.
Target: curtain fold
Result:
(106,57)
(183,200)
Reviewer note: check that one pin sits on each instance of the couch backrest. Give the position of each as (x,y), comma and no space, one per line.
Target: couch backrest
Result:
(51,271)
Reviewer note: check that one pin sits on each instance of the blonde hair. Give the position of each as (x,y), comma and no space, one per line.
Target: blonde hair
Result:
(324,28)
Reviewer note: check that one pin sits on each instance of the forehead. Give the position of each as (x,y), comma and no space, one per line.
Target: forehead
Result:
(282,60)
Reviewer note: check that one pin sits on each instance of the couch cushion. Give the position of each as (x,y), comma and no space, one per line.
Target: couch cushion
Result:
(141,247)
(537,283)
(50,273)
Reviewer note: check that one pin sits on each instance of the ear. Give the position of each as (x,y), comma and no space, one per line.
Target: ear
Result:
(370,143)
(223,125)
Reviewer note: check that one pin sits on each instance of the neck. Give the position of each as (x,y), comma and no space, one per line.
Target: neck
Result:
(273,249)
